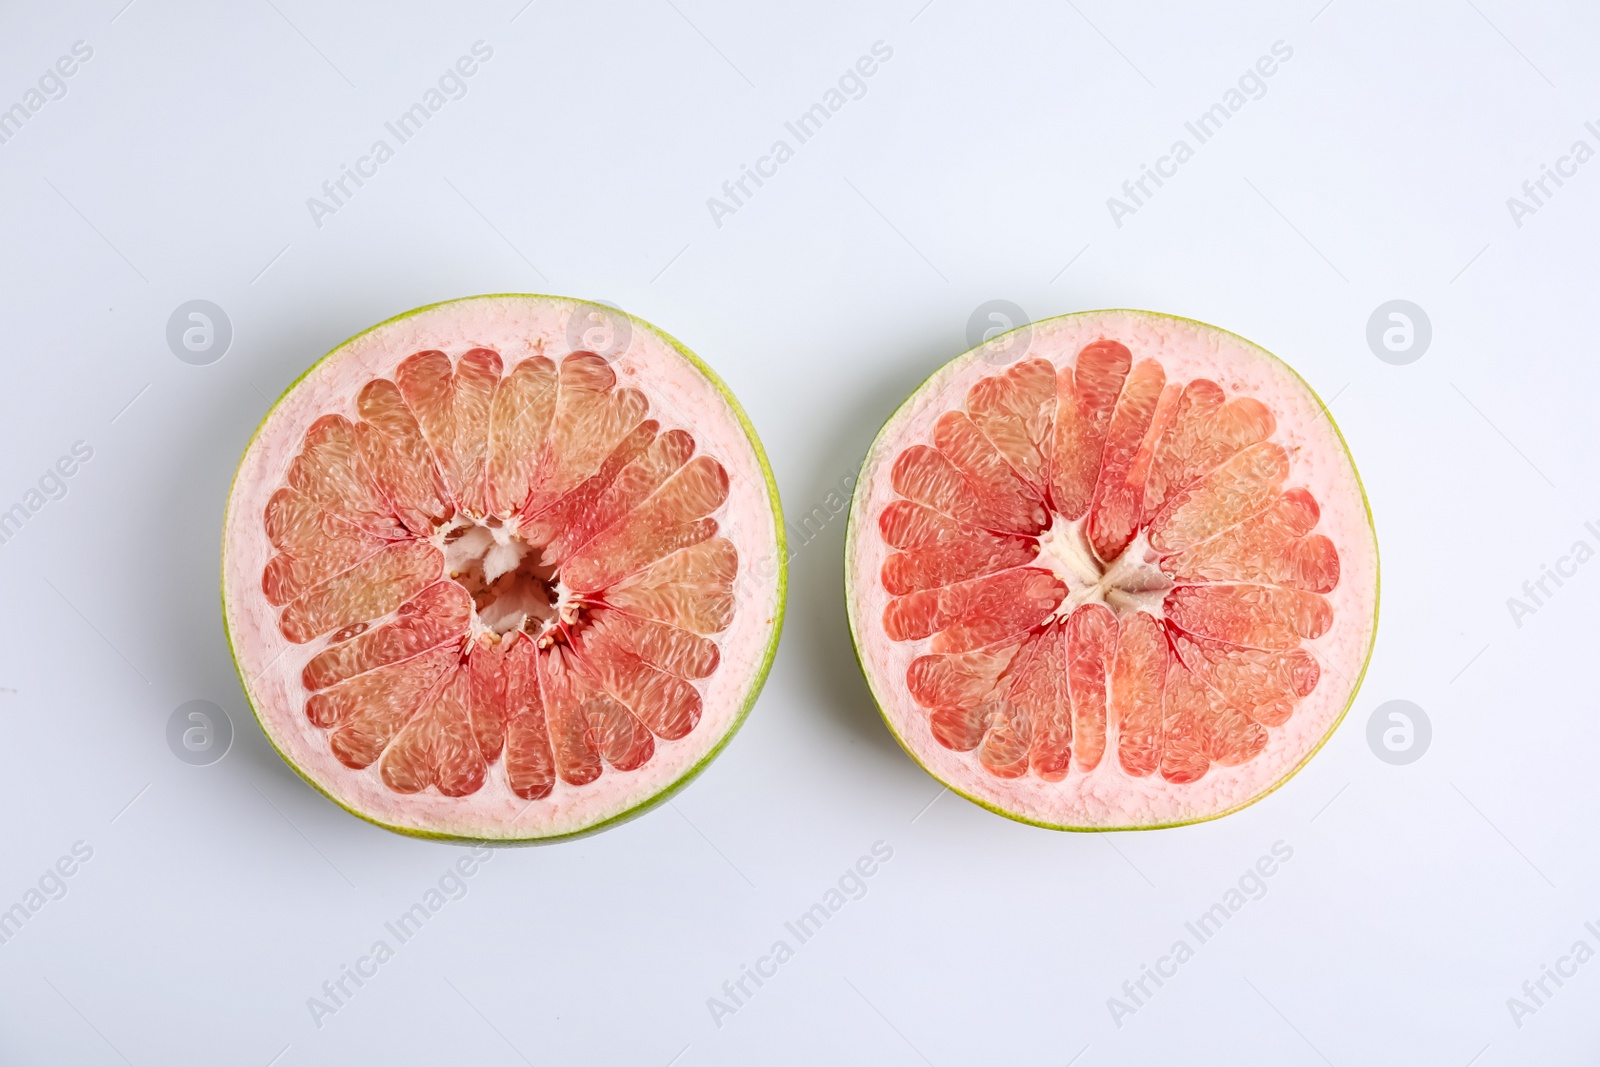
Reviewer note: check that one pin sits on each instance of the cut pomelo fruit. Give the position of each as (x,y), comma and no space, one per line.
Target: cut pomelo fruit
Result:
(1127,580)
(483,583)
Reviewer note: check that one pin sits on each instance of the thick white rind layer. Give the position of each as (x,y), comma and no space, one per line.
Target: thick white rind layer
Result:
(681,395)
(1109,798)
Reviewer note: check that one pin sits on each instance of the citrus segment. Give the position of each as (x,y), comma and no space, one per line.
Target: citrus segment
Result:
(313,545)
(1119,491)
(1089,631)
(371,588)
(1242,486)
(1099,587)
(1138,692)
(1206,429)
(1252,616)
(1039,691)
(591,417)
(330,469)
(519,422)
(437,747)
(1274,546)
(483,585)
(976,613)
(691,589)
(1000,499)
(1086,392)
(530,763)
(399,458)
(433,617)
(966,552)
(1016,411)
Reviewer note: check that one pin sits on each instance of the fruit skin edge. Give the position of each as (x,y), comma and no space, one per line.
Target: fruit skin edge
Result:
(758,679)
(856,638)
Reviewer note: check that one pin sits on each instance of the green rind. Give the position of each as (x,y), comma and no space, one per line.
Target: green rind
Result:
(759,679)
(855,638)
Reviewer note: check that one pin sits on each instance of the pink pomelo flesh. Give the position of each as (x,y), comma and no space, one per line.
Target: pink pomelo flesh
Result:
(1126,580)
(484,583)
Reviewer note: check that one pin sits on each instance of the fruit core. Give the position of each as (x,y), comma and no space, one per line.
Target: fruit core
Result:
(1132,581)
(511,590)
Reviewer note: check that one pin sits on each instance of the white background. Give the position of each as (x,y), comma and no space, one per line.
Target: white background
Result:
(977,166)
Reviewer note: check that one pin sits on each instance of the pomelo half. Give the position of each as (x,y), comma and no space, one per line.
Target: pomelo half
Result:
(1113,570)
(484,583)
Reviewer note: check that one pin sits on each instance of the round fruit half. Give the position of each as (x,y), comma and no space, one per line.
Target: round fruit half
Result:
(1113,570)
(484,580)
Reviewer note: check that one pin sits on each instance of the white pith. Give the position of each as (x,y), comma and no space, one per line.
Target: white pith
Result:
(1107,797)
(498,549)
(1130,582)
(516,327)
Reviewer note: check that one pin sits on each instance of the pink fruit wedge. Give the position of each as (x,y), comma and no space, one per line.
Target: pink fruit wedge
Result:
(1126,580)
(484,583)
